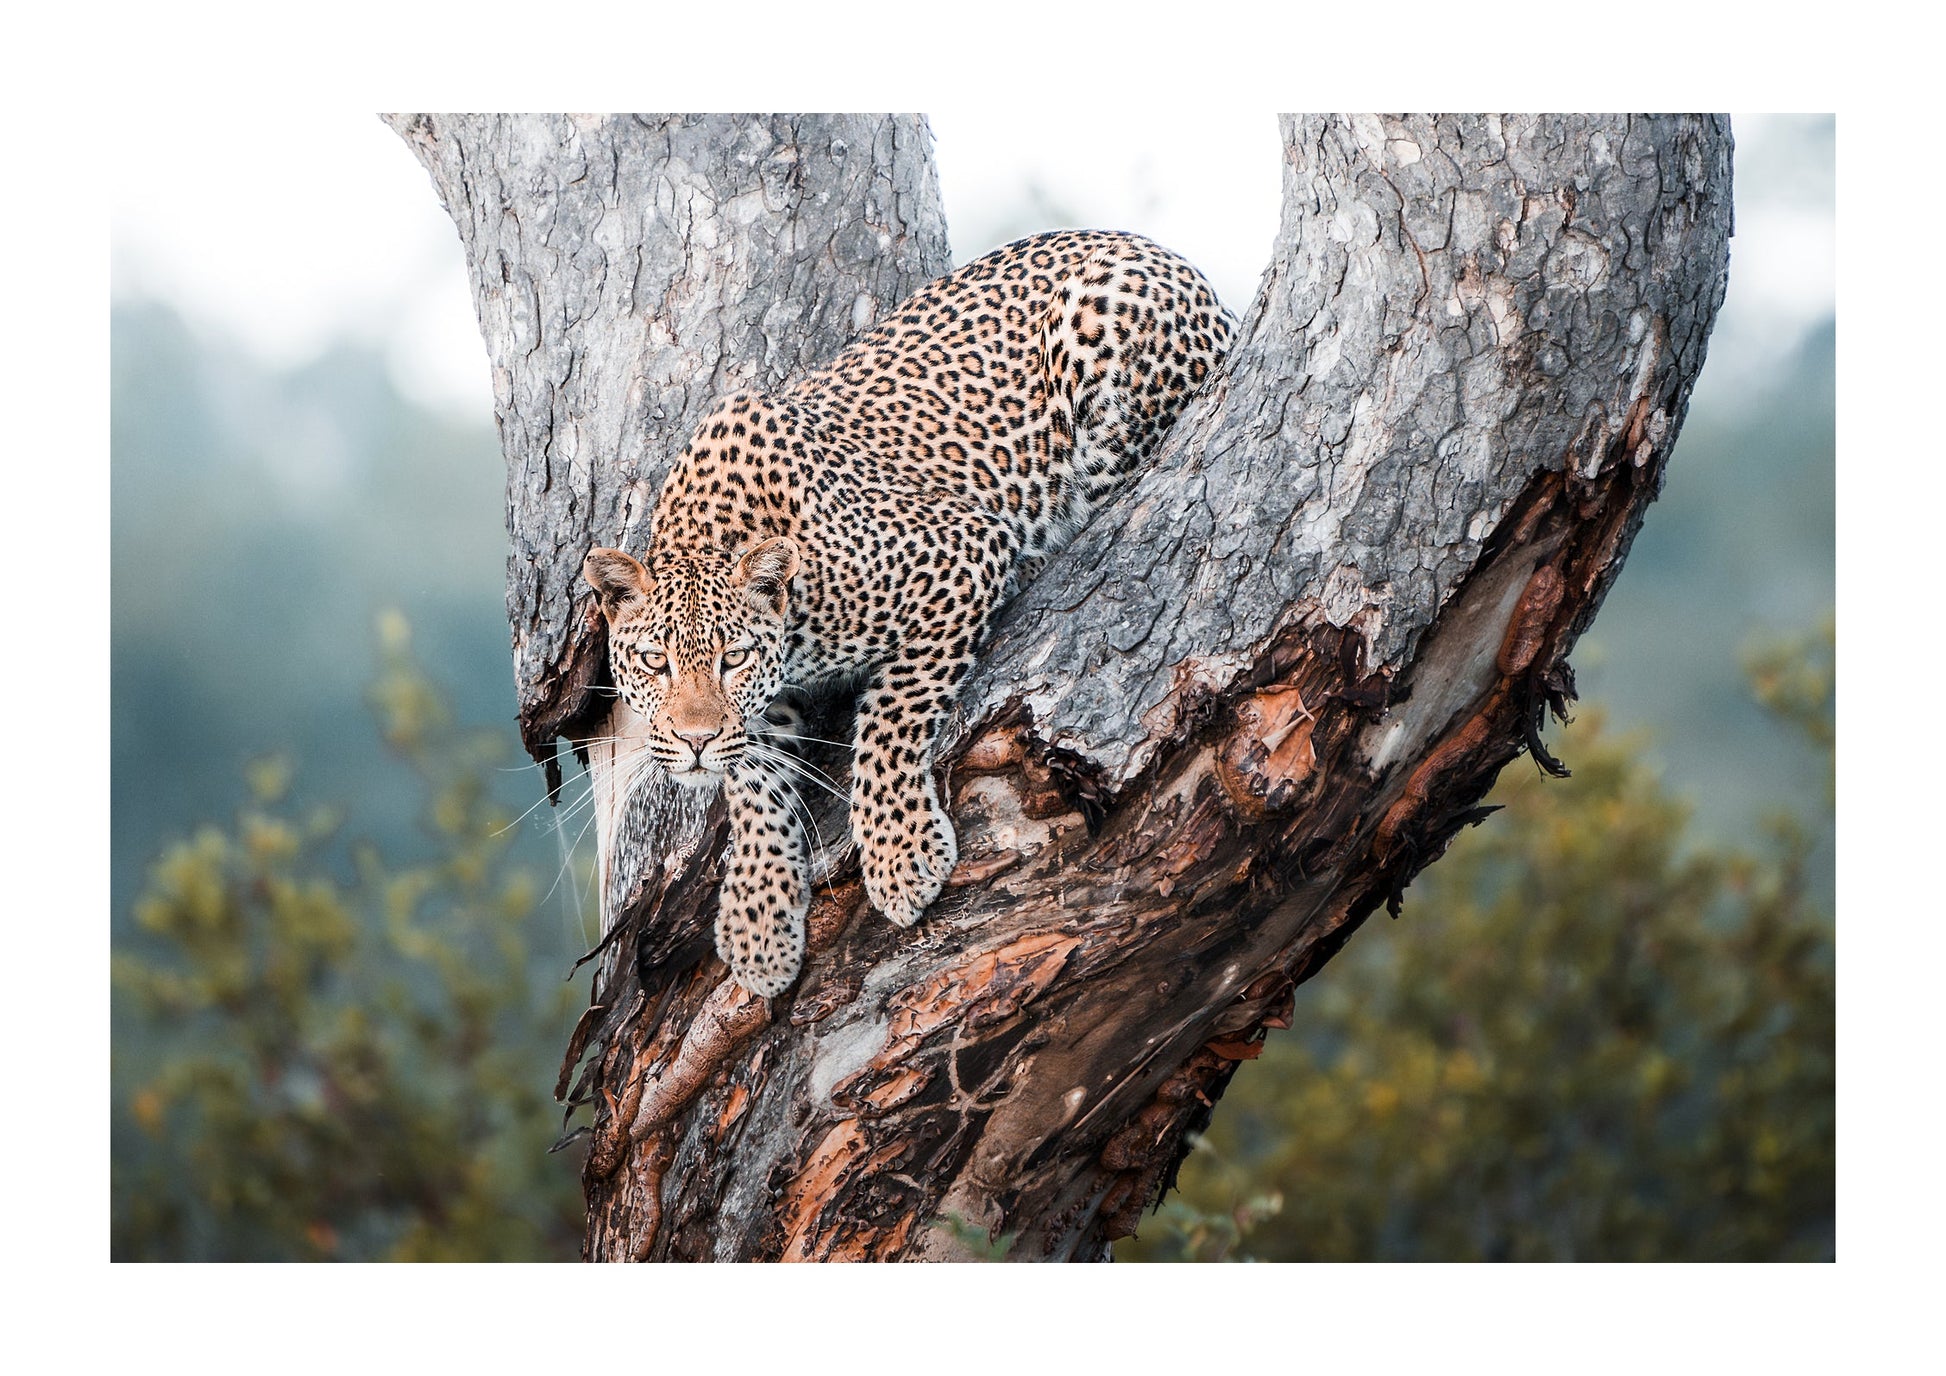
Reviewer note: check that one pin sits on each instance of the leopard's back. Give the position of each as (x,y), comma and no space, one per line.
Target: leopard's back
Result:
(1033,380)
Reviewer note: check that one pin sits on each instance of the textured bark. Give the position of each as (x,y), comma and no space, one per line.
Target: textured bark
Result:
(1256,696)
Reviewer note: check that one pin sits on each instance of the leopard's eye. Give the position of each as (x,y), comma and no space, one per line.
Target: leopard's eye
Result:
(732,658)
(655,661)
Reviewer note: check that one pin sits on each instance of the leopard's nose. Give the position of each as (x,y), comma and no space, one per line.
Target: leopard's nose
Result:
(700,736)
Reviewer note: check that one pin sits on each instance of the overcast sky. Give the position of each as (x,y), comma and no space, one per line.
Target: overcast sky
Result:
(336,233)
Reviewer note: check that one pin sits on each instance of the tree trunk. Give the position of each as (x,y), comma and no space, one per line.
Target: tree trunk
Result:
(1253,699)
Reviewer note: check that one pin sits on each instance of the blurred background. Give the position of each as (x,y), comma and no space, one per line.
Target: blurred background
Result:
(1601,1029)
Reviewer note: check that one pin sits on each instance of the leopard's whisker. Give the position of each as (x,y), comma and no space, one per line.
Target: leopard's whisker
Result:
(796,799)
(623,760)
(802,767)
(524,813)
(803,810)
(636,770)
(578,915)
(583,743)
(572,846)
(631,766)
(772,755)
(799,736)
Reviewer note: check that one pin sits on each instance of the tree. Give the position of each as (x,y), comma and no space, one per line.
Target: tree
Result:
(1239,714)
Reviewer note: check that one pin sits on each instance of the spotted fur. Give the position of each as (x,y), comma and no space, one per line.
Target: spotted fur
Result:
(865,523)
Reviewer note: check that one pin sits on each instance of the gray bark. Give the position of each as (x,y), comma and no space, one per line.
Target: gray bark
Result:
(1256,696)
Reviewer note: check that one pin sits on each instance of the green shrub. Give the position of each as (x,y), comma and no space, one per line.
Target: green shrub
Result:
(320,1052)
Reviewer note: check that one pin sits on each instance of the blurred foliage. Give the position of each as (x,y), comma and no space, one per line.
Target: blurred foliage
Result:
(1741,544)
(1795,678)
(322,1053)
(261,519)
(974,1241)
(1584,1040)
(1206,1231)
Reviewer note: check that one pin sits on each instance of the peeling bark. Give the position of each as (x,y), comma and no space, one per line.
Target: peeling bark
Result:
(1255,697)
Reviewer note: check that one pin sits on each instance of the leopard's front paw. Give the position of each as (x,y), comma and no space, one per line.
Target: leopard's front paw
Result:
(765,983)
(906,869)
(763,944)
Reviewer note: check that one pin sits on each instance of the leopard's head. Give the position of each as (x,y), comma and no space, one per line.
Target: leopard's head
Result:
(696,646)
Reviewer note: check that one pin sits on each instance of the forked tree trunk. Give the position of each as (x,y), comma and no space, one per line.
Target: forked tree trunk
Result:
(1254,698)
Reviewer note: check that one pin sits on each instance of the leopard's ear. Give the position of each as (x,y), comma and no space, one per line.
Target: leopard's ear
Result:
(618,579)
(766,568)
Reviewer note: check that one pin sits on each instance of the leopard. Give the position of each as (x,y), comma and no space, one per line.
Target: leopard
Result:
(864,525)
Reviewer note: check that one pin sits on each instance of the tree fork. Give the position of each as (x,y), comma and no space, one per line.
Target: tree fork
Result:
(1254,698)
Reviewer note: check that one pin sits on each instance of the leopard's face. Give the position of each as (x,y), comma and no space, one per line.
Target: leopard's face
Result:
(696,647)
